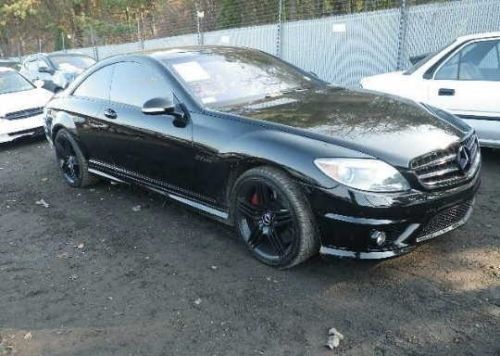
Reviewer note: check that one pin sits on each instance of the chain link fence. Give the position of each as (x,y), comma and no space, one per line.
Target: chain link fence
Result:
(339,40)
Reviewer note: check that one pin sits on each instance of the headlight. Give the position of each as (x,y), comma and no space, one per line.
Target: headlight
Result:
(363,174)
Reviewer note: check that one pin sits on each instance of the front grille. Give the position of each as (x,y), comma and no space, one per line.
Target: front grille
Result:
(442,169)
(444,220)
(22,114)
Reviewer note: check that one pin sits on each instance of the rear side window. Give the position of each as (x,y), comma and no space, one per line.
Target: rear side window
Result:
(96,86)
(477,61)
(134,84)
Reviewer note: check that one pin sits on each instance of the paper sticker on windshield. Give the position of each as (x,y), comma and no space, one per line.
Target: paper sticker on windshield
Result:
(191,71)
(208,100)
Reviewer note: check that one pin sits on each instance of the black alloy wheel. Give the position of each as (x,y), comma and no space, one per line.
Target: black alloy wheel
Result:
(273,218)
(71,161)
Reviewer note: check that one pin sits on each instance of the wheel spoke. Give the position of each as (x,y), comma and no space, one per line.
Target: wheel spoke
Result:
(255,238)
(276,243)
(248,210)
(263,195)
(283,218)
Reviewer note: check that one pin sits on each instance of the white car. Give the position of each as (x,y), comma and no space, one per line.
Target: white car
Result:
(21,106)
(463,78)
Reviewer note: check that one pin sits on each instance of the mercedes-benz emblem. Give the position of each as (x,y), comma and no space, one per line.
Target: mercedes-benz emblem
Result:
(463,159)
(267,218)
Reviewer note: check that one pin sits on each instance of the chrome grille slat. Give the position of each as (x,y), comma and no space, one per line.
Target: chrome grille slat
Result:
(439,173)
(443,160)
(440,168)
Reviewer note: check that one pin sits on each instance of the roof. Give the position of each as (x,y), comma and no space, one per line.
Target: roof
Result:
(478,36)
(175,52)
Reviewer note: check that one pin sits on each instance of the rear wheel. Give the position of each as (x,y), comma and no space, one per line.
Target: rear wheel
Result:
(71,161)
(274,218)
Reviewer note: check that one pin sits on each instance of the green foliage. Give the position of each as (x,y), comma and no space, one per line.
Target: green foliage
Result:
(23,23)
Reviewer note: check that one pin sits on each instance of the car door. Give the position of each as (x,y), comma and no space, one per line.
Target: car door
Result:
(87,105)
(468,83)
(151,148)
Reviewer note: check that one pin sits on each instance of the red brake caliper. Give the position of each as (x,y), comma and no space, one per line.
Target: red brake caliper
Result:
(254,199)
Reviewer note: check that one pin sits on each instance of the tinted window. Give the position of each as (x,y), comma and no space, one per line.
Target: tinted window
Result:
(72,62)
(96,85)
(134,84)
(477,61)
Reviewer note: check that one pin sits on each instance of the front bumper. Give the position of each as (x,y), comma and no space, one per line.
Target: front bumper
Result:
(14,129)
(347,219)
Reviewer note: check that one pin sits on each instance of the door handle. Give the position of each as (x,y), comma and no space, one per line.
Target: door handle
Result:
(446,92)
(110,114)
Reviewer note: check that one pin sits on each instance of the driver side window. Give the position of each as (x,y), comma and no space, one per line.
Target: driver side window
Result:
(134,84)
(478,61)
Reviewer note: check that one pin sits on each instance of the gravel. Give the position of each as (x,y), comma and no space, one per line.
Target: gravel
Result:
(183,284)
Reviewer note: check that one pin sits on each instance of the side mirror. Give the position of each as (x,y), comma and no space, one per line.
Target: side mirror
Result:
(159,106)
(45,70)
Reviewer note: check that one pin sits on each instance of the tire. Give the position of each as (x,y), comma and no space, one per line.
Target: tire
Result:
(273,217)
(68,153)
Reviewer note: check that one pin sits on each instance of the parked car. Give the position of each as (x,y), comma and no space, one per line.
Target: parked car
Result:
(462,78)
(21,106)
(296,165)
(10,63)
(55,70)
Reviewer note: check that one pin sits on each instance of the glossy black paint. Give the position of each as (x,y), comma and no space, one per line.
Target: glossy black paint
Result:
(197,159)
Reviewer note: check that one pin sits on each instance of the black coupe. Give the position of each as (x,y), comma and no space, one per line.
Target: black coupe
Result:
(296,165)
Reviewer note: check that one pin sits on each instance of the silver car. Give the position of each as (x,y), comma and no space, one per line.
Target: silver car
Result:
(55,70)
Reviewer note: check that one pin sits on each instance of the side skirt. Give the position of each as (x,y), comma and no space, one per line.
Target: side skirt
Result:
(213,212)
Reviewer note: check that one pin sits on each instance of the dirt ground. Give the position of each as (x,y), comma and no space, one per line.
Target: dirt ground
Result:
(117,270)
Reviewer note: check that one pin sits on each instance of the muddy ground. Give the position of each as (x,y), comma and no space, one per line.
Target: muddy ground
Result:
(93,274)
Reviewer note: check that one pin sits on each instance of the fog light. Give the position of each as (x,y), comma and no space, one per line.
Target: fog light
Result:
(378,236)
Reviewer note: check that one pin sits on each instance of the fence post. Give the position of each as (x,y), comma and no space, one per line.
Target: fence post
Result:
(139,34)
(200,15)
(403,26)
(92,40)
(279,29)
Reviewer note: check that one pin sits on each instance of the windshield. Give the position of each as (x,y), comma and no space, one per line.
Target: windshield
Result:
(11,82)
(72,62)
(228,77)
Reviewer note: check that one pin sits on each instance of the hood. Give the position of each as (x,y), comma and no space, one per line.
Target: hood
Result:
(385,79)
(386,127)
(23,100)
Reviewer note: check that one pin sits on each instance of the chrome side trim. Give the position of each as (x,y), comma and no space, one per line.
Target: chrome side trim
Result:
(362,221)
(200,206)
(105,175)
(194,204)
(449,228)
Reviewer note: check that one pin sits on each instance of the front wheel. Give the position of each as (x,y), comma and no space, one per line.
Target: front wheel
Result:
(71,161)
(274,218)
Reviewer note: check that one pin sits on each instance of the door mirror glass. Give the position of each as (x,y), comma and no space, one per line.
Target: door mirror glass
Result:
(158,106)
